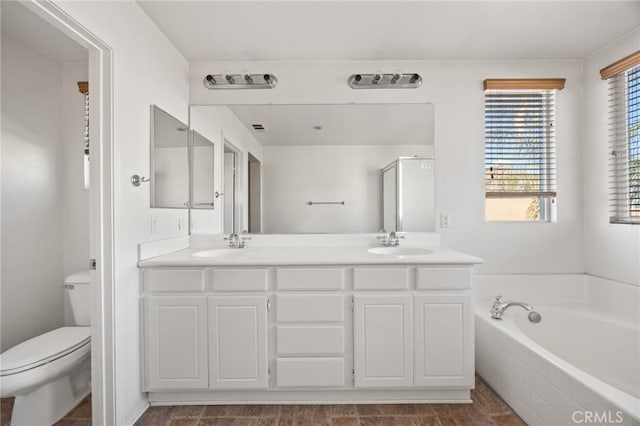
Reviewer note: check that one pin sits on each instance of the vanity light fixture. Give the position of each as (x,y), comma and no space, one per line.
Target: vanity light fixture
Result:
(240,81)
(385,81)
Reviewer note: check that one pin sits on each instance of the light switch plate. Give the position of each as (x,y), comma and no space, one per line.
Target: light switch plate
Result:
(154,224)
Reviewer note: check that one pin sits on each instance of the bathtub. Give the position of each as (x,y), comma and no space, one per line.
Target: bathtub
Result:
(577,366)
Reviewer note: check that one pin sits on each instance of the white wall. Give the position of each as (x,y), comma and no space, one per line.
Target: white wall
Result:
(294,175)
(611,250)
(147,69)
(218,123)
(455,89)
(32,212)
(75,196)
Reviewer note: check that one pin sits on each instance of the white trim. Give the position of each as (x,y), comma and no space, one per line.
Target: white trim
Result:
(305,396)
(151,249)
(101,207)
(137,412)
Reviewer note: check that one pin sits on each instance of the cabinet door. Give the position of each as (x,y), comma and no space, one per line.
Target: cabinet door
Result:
(175,343)
(382,341)
(238,342)
(443,340)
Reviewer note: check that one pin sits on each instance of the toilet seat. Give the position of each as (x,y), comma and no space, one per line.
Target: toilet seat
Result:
(43,349)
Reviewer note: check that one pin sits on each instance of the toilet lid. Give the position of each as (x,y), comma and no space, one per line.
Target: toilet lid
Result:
(42,349)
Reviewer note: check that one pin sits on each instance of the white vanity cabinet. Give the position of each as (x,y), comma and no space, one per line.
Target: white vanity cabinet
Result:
(383,341)
(443,324)
(284,333)
(175,335)
(238,342)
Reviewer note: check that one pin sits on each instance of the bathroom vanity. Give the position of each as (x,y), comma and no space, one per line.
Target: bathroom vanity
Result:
(295,324)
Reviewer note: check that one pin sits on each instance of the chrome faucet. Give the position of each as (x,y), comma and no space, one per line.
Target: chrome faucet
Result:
(498,308)
(235,241)
(391,240)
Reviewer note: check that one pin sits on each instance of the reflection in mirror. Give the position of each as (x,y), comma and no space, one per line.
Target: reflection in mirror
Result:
(169,161)
(229,177)
(408,194)
(202,175)
(321,166)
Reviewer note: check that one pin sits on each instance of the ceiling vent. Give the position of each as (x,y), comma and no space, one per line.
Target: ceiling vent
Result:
(258,127)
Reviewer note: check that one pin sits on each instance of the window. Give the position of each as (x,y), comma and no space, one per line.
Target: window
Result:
(83,87)
(624,139)
(520,161)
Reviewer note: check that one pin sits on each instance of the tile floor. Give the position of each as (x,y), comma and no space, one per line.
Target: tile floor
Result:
(79,416)
(487,409)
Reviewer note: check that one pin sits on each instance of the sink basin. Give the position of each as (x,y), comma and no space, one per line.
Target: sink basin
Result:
(216,252)
(399,251)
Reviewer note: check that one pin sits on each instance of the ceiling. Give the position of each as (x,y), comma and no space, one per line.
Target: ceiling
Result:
(32,30)
(344,124)
(391,30)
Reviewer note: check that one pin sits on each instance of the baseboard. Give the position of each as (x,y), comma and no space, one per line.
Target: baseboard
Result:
(420,396)
(131,418)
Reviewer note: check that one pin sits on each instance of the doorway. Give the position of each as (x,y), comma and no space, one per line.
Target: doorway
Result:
(255,195)
(100,210)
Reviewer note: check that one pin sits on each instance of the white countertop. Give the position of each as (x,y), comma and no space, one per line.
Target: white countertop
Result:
(321,255)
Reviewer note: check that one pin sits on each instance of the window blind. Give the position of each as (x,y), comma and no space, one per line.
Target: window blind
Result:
(624,146)
(520,144)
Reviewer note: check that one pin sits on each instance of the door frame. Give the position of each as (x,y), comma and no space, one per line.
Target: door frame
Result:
(103,401)
(237,195)
(250,188)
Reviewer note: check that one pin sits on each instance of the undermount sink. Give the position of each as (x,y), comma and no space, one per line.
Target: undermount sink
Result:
(216,252)
(399,251)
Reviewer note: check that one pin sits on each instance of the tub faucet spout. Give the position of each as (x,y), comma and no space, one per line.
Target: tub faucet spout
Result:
(498,308)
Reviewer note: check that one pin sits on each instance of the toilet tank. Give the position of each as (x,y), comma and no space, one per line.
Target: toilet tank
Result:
(78,287)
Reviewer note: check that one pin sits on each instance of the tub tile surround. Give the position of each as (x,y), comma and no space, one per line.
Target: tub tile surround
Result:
(619,301)
(540,389)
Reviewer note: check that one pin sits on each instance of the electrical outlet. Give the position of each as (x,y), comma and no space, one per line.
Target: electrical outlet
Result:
(180,223)
(445,220)
(154,225)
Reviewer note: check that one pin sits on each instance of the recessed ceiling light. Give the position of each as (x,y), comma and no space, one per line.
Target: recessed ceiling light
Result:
(317,127)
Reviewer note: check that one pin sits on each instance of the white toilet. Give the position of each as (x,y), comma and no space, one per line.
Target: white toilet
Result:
(51,373)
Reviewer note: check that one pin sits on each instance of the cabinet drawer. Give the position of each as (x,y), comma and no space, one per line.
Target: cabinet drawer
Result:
(239,280)
(310,279)
(171,280)
(309,308)
(380,278)
(310,372)
(310,340)
(443,278)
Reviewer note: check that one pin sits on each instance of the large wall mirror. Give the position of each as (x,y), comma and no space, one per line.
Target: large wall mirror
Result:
(202,172)
(347,168)
(169,161)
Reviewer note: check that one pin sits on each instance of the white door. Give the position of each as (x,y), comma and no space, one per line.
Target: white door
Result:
(238,342)
(176,343)
(443,341)
(383,341)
